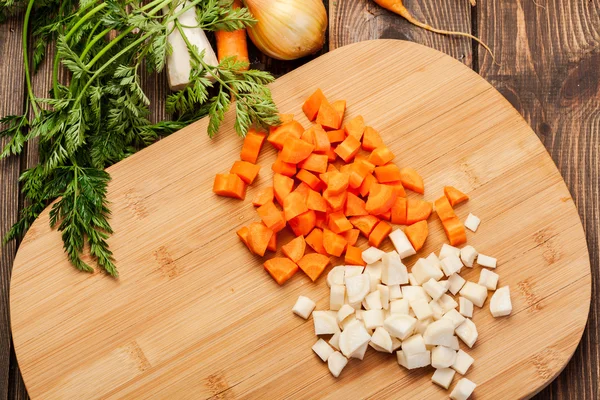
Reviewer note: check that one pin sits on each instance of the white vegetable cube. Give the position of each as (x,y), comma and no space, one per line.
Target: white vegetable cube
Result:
(413,345)
(454,316)
(447,303)
(443,377)
(344,312)
(421,325)
(358,314)
(347,321)
(466,307)
(445,284)
(373,301)
(412,281)
(500,304)
(423,270)
(353,337)
(336,363)
(335,341)
(434,289)
(467,332)
(419,360)
(396,343)
(337,294)
(434,260)
(463,390)
(381,340)
(414,292)
(373,318)
(468,254)
(325,323)
(303,307)
(462,363)
(439,332)
(474,292)
(453,343)
(395,292)
(436,309)
(336,276)
(399,306)
(448,250)
(384,296)
(451,265)
(322,349)
(472,222)
(442,357)
(373,282)
(374,270)
(421,308)
(372,255)
(360,352)
(352,270)
(489,279)
(393,271)
(357,287)
(400,326)
(402,244)
(486,261)
(456,283)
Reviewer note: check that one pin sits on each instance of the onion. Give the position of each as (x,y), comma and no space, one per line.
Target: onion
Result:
(288,29)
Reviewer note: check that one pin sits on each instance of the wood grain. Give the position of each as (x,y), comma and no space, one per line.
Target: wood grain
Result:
(190,320)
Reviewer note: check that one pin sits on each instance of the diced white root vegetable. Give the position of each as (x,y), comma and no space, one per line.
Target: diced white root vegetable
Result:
(402,244)
(358,314)
(393,271)
(413,345)
(336,363)
(442,357)
(423,270)
(356,305)
(467,332)
(489,279)
(381,340)
(500,304)
(421,325)
(421,308)
(451,265)
(373,282)
(325,323)
(434,260)
(372,255)
(439,332)
(360,352)
(454,316)
(395,292)
(419,360)
(336,297)
(353,337)
(322,349)
(303,307)
(448,250)
(486,261)
(384,296)
(357,287)
(412,281)
(373,300)
(344,312)
(396,343)
(373,318)
(438,312)
(352,270)
(336,276)
(400,326)
(399,306)
(466,307)
(414,292)
(472,222)
(374,270)
(462,363)
(335,341)
(463,390)
(468,254)
(447,303)
(456,283)
(434,289)
(474,292)
(347,321)
(453,343)
(443,377)
(178,61)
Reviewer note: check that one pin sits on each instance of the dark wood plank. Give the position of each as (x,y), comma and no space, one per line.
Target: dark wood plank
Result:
(549,56)
(11,102)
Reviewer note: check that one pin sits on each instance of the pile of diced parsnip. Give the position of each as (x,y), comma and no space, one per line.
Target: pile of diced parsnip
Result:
(413,314)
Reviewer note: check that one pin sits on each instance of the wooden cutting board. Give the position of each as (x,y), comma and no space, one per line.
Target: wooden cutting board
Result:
(195,316)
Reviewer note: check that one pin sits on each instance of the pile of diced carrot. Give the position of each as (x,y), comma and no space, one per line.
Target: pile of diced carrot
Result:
(328,206)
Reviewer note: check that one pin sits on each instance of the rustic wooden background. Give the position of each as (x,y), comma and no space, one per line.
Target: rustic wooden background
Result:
(548,54)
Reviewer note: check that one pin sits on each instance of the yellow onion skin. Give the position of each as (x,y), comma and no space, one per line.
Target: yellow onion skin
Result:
(288,29)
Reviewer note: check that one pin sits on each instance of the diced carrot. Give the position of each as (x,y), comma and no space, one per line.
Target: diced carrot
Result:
(302,189)
(443,209)
(331,154)
(245,170)
(399,211)
(324,177)
(348,148)
(334,244)
(387,173)
(311,180)
(359,171)
(281,269)
(293,205)
(315,163)
(386,215)
(417,234)
(259,237)
(229,185)
(336,202)
(381,156)
(454,195)
(365,224)
(412,180)
(328,116)
(319,138)
(355,206)
(315,241)
(312,104)
(354,256)
(303,223)
(336,136)
(417,210)
(371,139)
(321,220)
(282,186)
(398,188)
(351,236)
(365,187)
(338,222)
(316,202)
(243,235)
(337,182)
(294,249)
(252,145)
(381,198)
(313,265)
(271,216)
(455,231)
(263,196)
(355,127)
(346,168)
(283,168)
(332,167)
(379,233)
(278,135)
(362,157)
(354,191)
(285,117)
(272,246)
(295,150)
(340,107)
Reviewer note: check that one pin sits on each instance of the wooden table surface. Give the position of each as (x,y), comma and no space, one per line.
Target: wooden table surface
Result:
(548,54)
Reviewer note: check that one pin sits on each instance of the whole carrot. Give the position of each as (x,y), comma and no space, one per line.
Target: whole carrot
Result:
(233,43)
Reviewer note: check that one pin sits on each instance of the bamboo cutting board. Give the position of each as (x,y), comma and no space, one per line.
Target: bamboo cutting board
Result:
(195,316)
